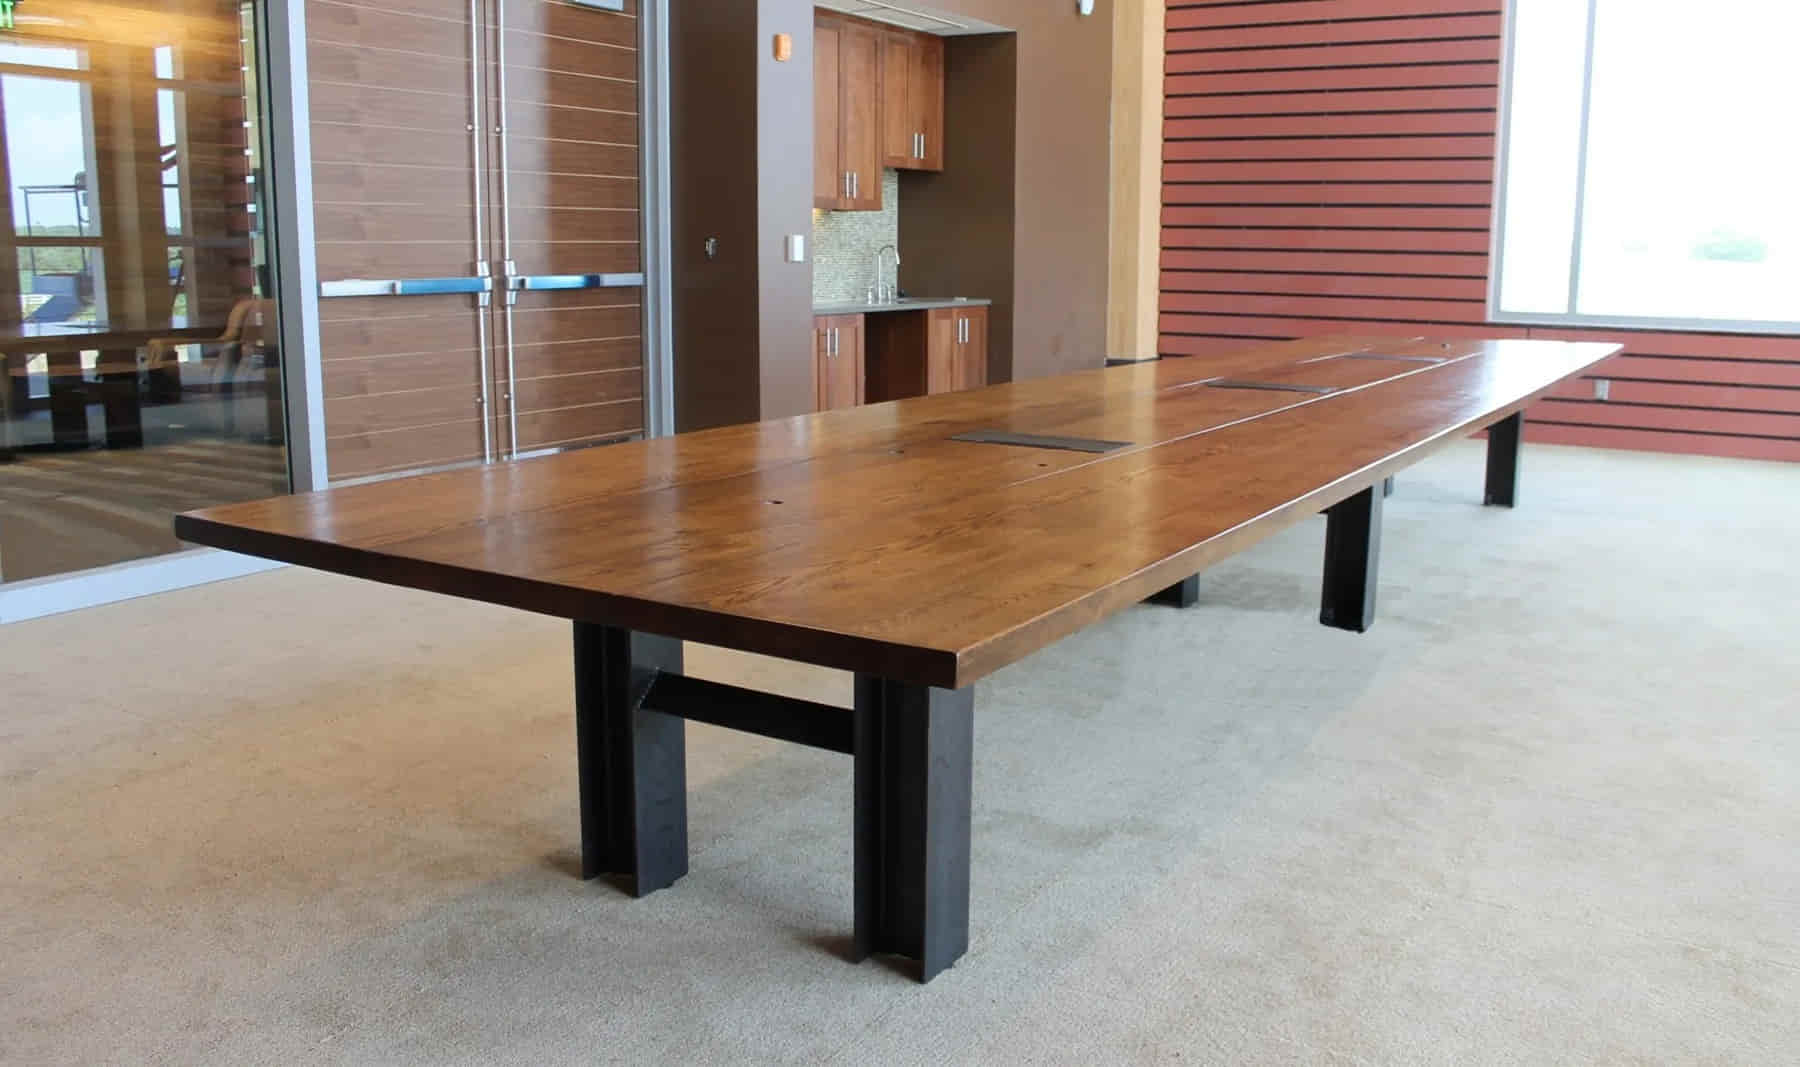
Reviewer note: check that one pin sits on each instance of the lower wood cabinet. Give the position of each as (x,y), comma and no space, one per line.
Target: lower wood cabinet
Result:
(838,375)
(958,354)
(913,353)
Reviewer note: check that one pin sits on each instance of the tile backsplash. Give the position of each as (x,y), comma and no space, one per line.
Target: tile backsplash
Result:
(845,243)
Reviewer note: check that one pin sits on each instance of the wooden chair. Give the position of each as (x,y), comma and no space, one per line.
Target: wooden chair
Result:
(243,333)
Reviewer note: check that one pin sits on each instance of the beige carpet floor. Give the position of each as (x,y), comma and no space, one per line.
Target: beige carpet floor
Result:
(1547,811)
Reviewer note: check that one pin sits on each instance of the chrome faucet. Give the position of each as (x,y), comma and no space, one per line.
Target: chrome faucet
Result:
(887,295)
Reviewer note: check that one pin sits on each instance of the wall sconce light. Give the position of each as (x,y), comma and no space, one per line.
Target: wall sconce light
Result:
(1084,7)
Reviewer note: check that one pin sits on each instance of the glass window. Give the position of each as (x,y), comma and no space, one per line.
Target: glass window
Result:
(140,369)
(1648,178)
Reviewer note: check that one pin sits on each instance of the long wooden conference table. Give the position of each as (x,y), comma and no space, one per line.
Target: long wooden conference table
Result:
(922,544)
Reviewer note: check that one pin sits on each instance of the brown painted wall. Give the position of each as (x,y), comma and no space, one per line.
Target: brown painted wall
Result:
(712,136)
(741,170)
(1060,183)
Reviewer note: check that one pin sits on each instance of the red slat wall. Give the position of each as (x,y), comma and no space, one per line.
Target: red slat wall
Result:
(1328,167)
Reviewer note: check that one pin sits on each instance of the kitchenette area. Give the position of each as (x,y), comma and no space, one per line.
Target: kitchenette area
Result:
(881,130)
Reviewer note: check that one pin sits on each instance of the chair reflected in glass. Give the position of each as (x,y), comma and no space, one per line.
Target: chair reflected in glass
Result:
(246,338)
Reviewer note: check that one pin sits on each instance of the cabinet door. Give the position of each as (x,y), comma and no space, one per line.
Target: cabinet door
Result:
(971,359)
(851,357)
(899,140)
(838,362)
(821,364)
(925,98)
(859,114)
(828,171)
(941,350)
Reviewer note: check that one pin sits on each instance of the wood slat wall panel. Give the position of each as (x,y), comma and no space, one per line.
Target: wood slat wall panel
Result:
(1328,167)
(1701,444)
(1343,263)
(1332,102)
(1214,15)
(1467,242)
(1344,285)
(1409,76)
(1348,55)
(1675,394)
(1468,194)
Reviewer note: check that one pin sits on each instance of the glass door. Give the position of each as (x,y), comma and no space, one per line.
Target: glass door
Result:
(140,372)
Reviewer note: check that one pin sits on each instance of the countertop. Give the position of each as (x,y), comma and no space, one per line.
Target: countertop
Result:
(862,307)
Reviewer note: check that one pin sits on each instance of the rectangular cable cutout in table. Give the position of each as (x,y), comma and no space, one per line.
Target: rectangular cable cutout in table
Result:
(1031,440)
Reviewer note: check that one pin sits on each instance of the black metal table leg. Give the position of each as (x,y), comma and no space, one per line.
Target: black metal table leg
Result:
(1183,594)
(119,399)
(914,776)
(633,761)
(1503,461)
(1352,557)
(68,400)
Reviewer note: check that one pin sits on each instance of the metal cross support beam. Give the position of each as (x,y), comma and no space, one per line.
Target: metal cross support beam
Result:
(913,747)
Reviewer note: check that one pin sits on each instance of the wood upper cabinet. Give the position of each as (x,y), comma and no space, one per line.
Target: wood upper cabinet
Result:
(912,100)
(837,362)
(846,115)
(828,170)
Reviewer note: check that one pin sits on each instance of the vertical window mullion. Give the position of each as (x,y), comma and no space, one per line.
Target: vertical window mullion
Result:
(1581,160)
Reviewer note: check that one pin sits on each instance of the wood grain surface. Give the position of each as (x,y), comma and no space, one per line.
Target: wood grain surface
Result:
(866,539)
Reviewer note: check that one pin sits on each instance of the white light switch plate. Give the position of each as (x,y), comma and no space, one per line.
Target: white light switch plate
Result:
(796,248)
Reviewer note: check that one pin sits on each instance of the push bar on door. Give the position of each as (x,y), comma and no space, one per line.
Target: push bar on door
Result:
(405,286)
(573,281)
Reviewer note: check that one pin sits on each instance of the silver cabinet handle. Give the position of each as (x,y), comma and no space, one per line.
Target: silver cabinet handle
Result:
(855,184)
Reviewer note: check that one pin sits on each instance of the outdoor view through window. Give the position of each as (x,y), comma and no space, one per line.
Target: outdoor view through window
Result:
(1650,164)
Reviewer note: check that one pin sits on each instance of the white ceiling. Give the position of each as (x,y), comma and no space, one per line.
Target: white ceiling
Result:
(912,16)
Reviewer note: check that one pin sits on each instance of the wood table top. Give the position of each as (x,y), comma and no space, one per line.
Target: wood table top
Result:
(867,539)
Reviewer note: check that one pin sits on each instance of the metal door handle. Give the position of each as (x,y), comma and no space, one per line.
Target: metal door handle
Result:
(405,286)
(541,282)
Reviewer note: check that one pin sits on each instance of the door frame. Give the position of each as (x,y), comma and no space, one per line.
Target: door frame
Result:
(283,52)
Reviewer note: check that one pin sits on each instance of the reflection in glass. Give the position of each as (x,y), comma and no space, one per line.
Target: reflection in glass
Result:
(140,373)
